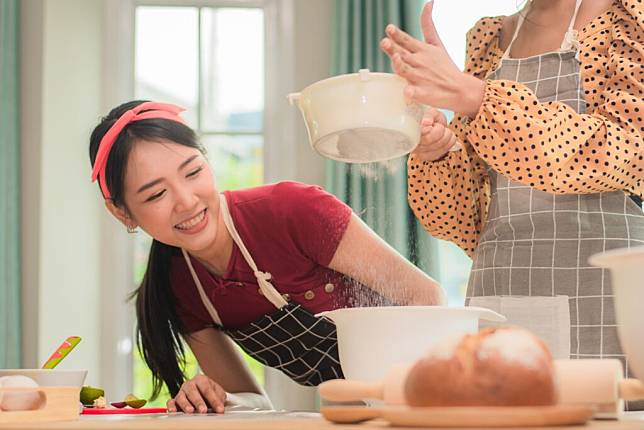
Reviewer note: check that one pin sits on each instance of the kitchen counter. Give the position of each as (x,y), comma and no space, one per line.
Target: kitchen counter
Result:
(259,420)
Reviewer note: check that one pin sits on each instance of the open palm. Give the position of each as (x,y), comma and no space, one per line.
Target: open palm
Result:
(432,76)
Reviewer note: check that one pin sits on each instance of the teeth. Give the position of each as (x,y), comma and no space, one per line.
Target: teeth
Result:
(192,222)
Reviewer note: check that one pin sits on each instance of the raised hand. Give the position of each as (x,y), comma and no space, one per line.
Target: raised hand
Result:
(432,76)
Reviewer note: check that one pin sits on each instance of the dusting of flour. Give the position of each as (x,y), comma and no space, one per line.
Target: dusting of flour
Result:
(444,350)
(512,346)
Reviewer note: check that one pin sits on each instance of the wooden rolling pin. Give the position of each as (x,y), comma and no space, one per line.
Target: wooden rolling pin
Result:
(391,389)
(596,382)
(599,383)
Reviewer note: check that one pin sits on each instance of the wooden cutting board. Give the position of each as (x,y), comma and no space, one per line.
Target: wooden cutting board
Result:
(404,416)
(61,405)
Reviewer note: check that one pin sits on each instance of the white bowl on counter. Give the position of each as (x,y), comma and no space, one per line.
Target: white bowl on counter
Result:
(50,377)
(627,273)
(372,340)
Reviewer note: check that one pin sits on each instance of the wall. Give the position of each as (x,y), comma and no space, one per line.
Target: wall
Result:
(299,55)
(61,54)
(313,43)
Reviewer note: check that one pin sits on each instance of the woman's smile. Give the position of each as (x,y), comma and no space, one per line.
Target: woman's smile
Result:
(195,224)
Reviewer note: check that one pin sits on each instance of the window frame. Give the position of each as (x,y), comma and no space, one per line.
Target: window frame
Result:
(278,37)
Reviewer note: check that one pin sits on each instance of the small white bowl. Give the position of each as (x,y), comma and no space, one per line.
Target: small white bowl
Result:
(50,377)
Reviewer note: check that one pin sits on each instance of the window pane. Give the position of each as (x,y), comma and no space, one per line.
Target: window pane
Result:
(453,20)
(237,160)
(454,273)
(166,44)
(142,244)
(232,69)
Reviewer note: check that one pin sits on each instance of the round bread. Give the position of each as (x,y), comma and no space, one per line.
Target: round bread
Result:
(495,367)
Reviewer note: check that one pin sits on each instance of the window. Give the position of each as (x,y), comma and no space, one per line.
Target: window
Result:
(209,60)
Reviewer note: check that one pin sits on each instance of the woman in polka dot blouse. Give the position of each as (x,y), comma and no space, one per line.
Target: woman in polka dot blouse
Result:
(549,112)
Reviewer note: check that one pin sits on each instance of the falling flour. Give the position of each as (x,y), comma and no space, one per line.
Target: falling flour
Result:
(380,170)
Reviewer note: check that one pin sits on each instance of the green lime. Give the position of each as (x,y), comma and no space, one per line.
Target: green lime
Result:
(134,402)
(89,394)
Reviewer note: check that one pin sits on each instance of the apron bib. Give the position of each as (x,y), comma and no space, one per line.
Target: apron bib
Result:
(531,264)
(291,339)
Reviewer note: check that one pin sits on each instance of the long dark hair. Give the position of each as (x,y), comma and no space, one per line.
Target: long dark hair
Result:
(158,336)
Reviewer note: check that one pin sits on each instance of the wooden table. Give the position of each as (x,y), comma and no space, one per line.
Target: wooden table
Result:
(259,421)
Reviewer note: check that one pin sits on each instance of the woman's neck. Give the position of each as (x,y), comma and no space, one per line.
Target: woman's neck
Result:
(217,256)
(550,5)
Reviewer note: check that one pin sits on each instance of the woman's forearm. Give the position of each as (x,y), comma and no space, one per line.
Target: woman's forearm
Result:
(470,93)
(368,259)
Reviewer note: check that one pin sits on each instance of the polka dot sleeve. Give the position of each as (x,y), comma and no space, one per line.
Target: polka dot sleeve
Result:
(450,196)
(551,147)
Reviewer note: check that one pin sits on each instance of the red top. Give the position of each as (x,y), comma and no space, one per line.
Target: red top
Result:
(292,231)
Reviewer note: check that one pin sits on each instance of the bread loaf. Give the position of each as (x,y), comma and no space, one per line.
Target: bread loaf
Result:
(496,367)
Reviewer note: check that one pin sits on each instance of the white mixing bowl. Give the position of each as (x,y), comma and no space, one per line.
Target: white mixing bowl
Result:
(360,117)
(50,377)
(371,340)
(627,273)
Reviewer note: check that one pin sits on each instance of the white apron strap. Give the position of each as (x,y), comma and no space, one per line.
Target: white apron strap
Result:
(268,290)
(204,298)
(570,40)
(265,286)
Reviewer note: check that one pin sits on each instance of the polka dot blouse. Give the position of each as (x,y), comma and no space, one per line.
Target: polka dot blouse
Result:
(545,145)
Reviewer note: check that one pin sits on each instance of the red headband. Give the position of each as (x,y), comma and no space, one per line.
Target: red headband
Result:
(153,110)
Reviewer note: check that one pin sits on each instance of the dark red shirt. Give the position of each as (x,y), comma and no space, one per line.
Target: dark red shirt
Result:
(292,231)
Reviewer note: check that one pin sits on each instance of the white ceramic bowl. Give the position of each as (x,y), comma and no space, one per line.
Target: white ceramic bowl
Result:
(627,273)
(50,377)
(360,117)
(371,340)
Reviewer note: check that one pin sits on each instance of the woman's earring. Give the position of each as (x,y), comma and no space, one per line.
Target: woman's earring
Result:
(131,229)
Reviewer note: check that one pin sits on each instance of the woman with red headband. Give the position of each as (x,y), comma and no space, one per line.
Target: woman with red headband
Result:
(253,266)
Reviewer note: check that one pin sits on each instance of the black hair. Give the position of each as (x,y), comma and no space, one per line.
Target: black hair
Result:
(158,335)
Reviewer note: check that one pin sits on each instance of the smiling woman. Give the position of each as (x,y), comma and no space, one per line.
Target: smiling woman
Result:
(207,279)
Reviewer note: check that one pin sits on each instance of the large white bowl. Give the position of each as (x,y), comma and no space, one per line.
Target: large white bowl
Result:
(360,117)
(50,377)
(372,340)
(627,273)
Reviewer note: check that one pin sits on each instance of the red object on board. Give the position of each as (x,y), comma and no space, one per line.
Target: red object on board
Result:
(124,411)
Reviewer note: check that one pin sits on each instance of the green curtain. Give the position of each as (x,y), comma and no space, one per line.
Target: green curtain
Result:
(9,185)
(378,192)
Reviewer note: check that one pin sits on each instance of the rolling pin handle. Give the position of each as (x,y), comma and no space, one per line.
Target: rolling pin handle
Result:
(631,389)
(342,390)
